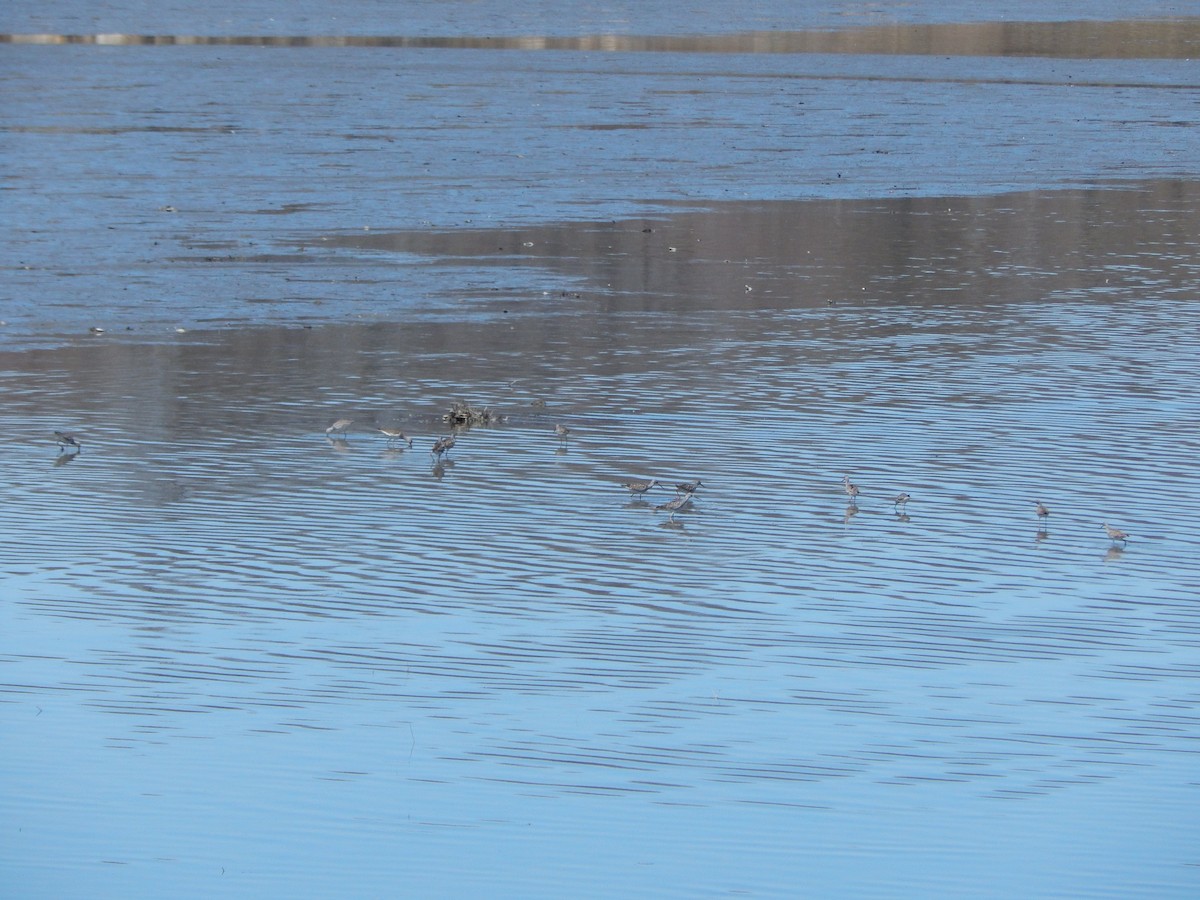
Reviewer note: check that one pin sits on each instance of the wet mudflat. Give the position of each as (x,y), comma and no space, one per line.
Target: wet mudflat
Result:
(244,657)
(143,175)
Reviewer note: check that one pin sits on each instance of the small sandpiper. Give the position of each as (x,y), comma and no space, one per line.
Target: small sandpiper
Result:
(395,434)
(1116,534)
(639,487)
(688,487)
(442,446)
(562,431)
(902,499)
(339,426)
(675,505)
(1041,510)
(850,488)
(66,439)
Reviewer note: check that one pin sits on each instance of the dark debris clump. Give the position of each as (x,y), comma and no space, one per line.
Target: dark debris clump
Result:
(464,415)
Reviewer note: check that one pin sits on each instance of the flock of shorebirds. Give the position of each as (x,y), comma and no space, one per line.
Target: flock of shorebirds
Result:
(685,491)
(1116,535)
(440,448)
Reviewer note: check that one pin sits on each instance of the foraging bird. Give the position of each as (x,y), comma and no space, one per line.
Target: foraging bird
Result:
(902,499)
(1116,534)
(562,431)
(675,505)
(66,439)
(339,426)
(1041,509)
(639,487)
(442,446)
(395,434)
(688,487)
(850,488)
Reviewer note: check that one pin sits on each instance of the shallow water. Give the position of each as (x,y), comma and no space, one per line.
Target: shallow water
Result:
(339,642)
(242,658)
(143,175)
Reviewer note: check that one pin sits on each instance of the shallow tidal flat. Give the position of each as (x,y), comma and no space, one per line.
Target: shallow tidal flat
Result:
(211,566)
(244,656)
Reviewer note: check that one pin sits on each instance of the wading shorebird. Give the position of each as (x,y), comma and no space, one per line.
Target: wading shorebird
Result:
(850,488)
(562,431)
(902,499)
(1041,510)
(637,488)
(66,439)
(1116,534)
(395,434)
(675,505)
(442,446)
(688,487)
(339,426)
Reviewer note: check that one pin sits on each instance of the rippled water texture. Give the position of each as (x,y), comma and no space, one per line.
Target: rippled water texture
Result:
(242,656)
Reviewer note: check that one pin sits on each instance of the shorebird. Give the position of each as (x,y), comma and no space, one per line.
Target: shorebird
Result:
(1041,509)
(688,487)
(395,434)
(442,446)
(1116,534)
(639,487)
(339,426)
(562,431)
(850,488)
(66,439)
(902,499)
(675,505)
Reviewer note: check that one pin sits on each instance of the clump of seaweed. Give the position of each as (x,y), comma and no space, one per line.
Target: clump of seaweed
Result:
(464,415)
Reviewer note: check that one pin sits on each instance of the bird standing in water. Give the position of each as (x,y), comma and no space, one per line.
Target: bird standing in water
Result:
(637,488)
(442,446)
(395,434)
(850,488)
(66,439)
(675,505)
(1116,534)
(339,426)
